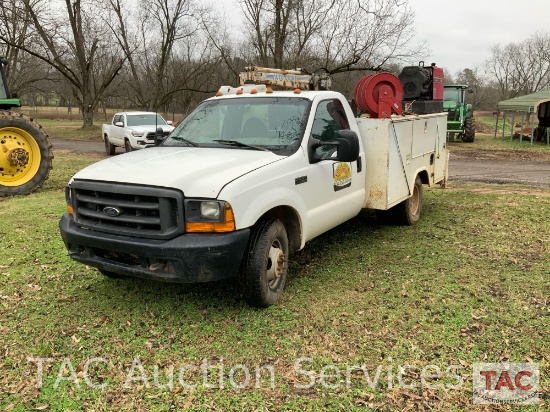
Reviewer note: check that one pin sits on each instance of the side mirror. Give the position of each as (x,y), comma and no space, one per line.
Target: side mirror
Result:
(347,146)
(470,90)
(169,122)
(159,136)
(119,124)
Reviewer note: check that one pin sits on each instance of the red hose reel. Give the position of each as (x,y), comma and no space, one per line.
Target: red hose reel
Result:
(380,95)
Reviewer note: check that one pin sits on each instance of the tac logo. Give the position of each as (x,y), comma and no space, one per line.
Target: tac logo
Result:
(506,383)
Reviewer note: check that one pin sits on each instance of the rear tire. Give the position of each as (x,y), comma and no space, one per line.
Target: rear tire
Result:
(408,211)
(127,146)
(469,130)
(109,147)
(264,272)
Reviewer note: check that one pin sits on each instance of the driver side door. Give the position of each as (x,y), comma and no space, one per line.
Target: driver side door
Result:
(334,191)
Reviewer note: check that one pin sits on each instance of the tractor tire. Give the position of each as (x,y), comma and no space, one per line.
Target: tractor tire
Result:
(109,147)
(265,266)
(25,154)
(469,130)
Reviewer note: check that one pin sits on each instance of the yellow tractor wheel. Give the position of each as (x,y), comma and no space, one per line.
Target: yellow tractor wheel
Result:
(25,154)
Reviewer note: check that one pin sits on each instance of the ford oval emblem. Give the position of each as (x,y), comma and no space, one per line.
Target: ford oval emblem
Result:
(112,211)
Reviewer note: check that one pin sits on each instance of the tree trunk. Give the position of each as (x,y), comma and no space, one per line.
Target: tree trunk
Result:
(87,116)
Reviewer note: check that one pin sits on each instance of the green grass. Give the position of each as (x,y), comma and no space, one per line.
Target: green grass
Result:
(468,284)
(502,147)
(70,129)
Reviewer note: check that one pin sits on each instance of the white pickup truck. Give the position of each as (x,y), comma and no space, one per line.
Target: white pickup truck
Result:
(133,130)
(246,179)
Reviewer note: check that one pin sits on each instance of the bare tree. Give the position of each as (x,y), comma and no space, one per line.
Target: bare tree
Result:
(157,38)
(521,68)
(25,72)
(482,93)
(80,51)
(341,36)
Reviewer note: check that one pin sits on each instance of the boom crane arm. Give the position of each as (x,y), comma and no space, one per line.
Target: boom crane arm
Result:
(288,79)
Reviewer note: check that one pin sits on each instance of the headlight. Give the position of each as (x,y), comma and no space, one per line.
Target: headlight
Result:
(137,134)
(69,200)
(210,210)
(208,216)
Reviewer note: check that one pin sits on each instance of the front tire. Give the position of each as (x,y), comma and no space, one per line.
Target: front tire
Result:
(264,272)
(127,146)
(109,147)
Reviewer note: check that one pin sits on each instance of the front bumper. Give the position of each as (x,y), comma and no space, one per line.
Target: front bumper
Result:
(188,258)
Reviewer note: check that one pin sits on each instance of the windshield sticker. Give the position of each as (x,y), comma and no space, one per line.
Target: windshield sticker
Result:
(342,175)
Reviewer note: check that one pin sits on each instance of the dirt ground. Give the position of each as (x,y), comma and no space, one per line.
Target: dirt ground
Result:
(484,166)
(502,167)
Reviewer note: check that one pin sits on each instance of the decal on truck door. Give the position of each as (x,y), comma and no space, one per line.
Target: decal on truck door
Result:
(342,175)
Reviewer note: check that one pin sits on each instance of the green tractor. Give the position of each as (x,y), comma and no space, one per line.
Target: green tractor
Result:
(25,151)
(460,121)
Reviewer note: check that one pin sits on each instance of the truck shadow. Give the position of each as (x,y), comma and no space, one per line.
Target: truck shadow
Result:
(321,252)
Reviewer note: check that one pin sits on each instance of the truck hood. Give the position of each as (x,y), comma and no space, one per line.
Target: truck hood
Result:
(198,172)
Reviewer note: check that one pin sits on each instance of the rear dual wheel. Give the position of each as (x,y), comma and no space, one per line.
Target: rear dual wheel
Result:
(408,211)
(25,154)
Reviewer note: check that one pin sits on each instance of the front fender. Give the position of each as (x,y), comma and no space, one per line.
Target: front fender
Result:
(250,207)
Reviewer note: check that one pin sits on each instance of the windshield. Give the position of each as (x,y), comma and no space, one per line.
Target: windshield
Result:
(272,123)
(145,120)
(453,95)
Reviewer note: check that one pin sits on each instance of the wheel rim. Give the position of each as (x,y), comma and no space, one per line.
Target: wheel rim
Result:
(275,264)
(414,201)
(19,156)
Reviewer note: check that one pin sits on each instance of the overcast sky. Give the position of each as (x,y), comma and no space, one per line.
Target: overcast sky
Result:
(461,33)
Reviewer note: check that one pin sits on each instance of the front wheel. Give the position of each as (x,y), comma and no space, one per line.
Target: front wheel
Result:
(264,272)
(109,147)
(128,146)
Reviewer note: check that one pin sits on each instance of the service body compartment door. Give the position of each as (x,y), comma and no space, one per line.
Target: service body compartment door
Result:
(399,161)
(441,153)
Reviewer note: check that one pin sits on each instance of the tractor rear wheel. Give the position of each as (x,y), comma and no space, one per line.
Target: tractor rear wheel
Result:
(469,130)
(25,154)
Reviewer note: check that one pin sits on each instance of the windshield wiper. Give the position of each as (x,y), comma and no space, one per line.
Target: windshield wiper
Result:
(241,144)
(182,139)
